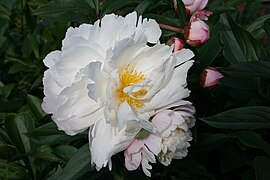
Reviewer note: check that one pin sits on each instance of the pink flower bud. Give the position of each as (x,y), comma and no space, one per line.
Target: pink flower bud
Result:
(194,5)
(197,31)
(178,44)
(210,77)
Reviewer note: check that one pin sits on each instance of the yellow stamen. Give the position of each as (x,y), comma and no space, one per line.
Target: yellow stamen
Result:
(127,78)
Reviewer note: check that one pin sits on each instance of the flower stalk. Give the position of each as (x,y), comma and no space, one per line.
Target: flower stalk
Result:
(171,28)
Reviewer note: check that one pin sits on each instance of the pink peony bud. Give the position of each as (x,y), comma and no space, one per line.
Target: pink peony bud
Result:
(178,44)
(194,5)
(197,31)
(210,77)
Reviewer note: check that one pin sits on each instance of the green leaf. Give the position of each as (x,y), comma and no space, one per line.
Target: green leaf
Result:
(182,13)
(63,6)
(164,19)
(111,6)
(253,117)
(67,10)
(46,130)
(253,140)
(249,69)
(239,45)
(262,166)
(46,152)
(8,152)
(34,104)
(142,7)
(266,26)
(12,171)
(65,152)
(49,134)
(257,27)
(5,91)
(235,82)
(209,51)
(16,126)
(78,164)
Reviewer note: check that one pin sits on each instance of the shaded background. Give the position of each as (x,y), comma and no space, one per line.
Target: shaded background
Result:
(231,138)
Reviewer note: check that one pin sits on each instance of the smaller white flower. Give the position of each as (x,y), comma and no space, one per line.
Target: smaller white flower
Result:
(173,127)
(169,142)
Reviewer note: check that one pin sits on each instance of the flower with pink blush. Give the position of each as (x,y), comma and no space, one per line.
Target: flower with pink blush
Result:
(197,31)
(173,127)
(178,44)
(210,77)
(142,152)
(192,5)
(169,142)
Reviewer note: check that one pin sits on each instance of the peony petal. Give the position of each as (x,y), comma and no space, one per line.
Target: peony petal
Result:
(105,141)
(151,29)
(153,143)
(162,120)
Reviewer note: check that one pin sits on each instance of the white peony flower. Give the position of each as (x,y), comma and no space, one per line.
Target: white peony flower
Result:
(169,142)
(106,78)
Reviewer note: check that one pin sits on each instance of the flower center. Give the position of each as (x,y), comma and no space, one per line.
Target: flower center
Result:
(127,78)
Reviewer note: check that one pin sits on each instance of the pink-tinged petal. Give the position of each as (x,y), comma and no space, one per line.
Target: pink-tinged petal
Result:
(202,5)
(194,5)
(210,77)
(162,120)
(133,155)
(132,162)
(153,143)
(197,32)
(178,44)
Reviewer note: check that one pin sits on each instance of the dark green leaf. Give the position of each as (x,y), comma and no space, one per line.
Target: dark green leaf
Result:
(65,152)
(253,117)
(46,152)
(142,7)
(252,139)
(78,164)
(249,69)
(12,171)
(34,104)
(256,28)
(16,125)
(164,19)
(262,166)
(209,51)
(5,91)
(111,6)
(7,152)
(239,45)
(182,13)
(266,26)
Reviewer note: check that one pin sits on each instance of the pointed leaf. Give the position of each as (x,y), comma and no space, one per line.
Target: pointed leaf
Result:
(253,117)
(77,165)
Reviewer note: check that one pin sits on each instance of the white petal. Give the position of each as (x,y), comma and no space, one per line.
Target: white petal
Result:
(153,143)
(183,55)
(105,141)
(151,29)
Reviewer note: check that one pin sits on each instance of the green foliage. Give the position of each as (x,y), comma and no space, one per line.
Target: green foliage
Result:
(231,137)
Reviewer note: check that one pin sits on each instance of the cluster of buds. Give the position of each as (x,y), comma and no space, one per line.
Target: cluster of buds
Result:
(196,32)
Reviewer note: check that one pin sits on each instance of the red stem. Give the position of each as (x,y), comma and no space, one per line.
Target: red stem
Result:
(175,29)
